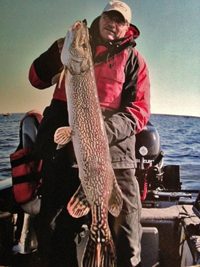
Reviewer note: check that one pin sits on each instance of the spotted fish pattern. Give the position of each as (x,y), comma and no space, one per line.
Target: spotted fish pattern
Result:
(99,191)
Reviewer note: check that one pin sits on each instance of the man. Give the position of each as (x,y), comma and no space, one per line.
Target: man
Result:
(124,94)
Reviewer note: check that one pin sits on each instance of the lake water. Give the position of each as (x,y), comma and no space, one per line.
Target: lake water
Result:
(180,139)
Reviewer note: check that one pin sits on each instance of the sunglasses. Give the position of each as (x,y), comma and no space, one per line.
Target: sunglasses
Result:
(118,21)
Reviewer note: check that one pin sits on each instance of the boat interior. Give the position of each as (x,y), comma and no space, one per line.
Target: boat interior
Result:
(170,215)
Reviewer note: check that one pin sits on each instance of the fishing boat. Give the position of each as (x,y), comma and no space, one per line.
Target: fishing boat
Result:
(170,214)
(6,114)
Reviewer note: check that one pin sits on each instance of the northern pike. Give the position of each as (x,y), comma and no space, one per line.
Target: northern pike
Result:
(99,191)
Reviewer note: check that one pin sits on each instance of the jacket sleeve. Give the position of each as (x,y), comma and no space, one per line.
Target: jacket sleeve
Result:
(138,78)
(45,67)
(134,112)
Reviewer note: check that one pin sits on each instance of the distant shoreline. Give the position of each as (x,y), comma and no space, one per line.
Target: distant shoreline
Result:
(156,114)
(185,116)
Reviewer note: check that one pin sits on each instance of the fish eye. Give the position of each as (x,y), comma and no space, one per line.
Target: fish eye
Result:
(84,46)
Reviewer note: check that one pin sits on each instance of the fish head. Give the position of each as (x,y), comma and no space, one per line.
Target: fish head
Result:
(76,52)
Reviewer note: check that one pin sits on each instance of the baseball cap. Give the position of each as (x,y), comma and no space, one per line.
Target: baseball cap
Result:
(121,7)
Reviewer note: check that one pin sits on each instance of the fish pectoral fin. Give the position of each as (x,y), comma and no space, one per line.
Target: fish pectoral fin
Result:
(62,74)
(78,205)
(55,79)
(116,200)
(63,135)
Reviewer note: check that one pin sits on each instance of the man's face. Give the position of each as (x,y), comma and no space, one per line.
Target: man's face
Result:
(112,26)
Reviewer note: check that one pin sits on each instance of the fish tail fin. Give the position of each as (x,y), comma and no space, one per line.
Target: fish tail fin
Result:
(99,254)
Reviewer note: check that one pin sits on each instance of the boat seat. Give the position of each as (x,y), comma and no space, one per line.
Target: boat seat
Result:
(169,213)
(167,223)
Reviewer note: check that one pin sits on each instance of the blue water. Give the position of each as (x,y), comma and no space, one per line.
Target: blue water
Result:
(9,140)
(180,139)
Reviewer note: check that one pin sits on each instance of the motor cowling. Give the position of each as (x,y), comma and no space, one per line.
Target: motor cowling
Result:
(149,159)
(148,146)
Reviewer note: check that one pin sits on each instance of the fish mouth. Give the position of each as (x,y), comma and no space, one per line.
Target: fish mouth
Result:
(79,24)
(84,22)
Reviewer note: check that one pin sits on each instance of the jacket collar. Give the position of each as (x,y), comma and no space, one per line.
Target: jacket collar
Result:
(113,47)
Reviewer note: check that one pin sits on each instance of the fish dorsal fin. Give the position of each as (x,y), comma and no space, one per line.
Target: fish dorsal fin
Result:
(116,200)
(78,205)
(63,135)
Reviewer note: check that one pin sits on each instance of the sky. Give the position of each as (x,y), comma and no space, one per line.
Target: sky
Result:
(169,42)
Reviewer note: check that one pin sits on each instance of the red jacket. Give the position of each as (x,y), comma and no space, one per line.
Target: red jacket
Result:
(122,82)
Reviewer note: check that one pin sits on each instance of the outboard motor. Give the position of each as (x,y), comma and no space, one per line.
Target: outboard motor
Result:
(153,177)
(148,146)
(149,159)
